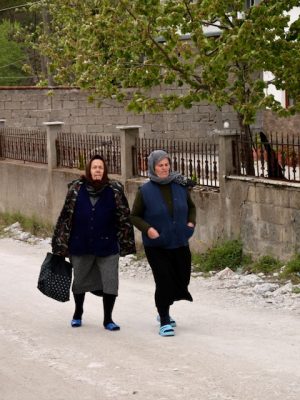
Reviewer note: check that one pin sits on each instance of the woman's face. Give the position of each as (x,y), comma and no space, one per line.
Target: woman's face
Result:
(97,170)
(162,168)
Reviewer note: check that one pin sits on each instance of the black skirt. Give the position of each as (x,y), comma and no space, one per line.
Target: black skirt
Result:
(171,269)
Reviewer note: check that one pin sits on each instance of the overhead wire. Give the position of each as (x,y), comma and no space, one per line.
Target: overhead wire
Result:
(15,62)
(17,77)
(20,5)
(12,63)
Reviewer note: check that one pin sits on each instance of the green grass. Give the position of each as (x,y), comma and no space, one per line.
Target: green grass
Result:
(32,225)
(227,254)
(266,264)
(230,254)
(292,270)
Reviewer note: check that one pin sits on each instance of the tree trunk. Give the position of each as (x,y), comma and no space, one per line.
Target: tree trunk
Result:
(246,144)
(274,168)
(45,60)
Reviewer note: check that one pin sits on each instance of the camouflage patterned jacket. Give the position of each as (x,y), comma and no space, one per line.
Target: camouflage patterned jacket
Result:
(63,226)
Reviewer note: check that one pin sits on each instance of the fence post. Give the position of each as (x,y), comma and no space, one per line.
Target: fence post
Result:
(2,123)
(226,155)
(52,128)
(128,135)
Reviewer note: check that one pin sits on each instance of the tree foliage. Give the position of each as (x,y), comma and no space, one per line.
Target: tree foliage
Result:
(17,55)
(11,10)
(12,57)
(124,48)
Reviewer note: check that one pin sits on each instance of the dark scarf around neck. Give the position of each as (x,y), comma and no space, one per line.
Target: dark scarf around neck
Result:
(95,188)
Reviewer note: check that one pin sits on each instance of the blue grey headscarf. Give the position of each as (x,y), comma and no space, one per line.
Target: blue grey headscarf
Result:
(155,157)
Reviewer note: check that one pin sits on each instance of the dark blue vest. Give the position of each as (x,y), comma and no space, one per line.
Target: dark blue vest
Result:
(94,227)
(173,230)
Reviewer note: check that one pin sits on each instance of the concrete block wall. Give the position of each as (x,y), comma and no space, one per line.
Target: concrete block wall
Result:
(30,107)
(24,189)
(266,216)
(279,219)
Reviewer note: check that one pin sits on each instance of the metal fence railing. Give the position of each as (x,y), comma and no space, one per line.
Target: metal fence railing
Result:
(23,144)
(74,150)
(273,156)
(197,160)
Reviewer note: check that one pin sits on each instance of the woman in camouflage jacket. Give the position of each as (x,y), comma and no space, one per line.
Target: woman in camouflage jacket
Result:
(93,230)
(63,226)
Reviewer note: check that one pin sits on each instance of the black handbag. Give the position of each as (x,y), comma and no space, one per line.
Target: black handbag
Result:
(55,277)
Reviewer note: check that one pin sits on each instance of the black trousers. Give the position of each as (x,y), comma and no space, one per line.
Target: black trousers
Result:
(108,305)
(171,270)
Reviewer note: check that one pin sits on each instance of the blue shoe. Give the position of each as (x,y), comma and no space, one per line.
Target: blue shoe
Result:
(111,326)
(76,323)
(172,321)
(166,330)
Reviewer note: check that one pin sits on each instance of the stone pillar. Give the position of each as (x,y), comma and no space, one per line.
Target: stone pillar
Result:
(226,168)
(52,130)
(226,154)
(2,124)
(128,135)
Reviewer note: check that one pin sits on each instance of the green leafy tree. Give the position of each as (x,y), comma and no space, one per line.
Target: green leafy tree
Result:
(125,48)
(15,16)
(12,57)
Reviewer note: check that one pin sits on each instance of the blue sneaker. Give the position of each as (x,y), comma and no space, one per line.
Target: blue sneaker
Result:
(76,323)
(111,326)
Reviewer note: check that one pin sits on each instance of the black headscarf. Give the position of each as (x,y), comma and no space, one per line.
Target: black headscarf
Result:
(95,186)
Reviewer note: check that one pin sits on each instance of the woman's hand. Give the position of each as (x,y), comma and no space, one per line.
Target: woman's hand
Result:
(152,233)
(190,224)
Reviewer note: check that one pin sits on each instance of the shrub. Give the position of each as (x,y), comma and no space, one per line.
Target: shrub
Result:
(227,254)
(292,270)
(266,264)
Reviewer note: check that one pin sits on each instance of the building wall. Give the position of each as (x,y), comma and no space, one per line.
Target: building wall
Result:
(283,126)
(30,107)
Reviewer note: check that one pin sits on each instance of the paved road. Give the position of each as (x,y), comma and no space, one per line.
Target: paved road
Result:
(223,350)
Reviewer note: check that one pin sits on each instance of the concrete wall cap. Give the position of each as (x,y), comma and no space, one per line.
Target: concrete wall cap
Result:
(52,123)
(128,126)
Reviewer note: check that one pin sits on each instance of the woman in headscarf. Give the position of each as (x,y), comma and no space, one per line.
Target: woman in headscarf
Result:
(93,230)
(166,215)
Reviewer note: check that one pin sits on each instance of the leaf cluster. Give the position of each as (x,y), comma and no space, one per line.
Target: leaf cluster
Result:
(12,56)
(213,50)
